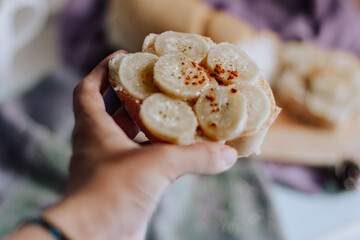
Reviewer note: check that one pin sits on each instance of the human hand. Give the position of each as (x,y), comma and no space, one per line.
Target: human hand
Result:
(115,184)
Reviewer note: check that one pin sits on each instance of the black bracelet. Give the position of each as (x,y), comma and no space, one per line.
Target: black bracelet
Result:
(49,227)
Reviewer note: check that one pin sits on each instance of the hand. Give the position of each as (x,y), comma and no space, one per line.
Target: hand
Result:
(116,184)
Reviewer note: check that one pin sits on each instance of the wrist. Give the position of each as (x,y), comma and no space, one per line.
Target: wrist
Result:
(69,218)
(87,218)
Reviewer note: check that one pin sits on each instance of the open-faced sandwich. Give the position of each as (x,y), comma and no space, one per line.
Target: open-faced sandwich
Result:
(183,88)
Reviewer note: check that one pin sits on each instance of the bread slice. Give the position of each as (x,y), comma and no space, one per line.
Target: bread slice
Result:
(201,91)
(319,87)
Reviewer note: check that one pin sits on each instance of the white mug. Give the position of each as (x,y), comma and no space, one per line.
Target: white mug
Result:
(20,22)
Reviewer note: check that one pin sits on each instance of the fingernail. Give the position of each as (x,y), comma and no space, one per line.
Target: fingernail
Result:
(229,156)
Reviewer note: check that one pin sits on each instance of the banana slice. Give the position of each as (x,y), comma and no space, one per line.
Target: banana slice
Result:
(221,113)
(136,74)
(192,45)
(149,43)
(180,77)
(258,106)
(231,65)
(169,119)
(114,66)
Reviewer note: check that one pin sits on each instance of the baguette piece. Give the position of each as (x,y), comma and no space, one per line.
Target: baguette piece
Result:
(194,90)
(319,87)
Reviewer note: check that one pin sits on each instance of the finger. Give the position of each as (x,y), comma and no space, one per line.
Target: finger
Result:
(88,93)
(122,118)
(91,118)
(202,158)
(98,76)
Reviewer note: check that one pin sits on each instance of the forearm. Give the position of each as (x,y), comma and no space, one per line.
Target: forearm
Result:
(30,232)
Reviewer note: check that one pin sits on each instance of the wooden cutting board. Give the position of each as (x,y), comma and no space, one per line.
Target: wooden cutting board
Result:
(289,141)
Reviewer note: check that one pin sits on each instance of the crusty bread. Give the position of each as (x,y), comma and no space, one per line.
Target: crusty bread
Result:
(250,142)
(317,86)
(246,143)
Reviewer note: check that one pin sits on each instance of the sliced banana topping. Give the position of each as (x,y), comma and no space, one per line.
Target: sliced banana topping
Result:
(149,43)
(169,119)
(221,112)
(192,45)
(180,76)
(230,64)
(136,74)
(258,106)
(114,66)
(193,90)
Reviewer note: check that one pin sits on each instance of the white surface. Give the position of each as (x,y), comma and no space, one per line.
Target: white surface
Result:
(20,22)
(38,58)
(318,216)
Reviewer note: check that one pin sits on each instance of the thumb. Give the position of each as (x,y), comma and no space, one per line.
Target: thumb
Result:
(201,158)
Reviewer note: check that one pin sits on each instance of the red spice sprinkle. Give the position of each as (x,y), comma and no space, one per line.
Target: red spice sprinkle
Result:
(178,102)
(212,89)
(196,76)
(187,83)
(235,73)
(198,68)
(210,98)
(233,90)
(183,73)
(194,64)
(218,69)
(231,77)
(221,83)
(213,125)
(215,110)
(187,78)
(182,63)
(194,83)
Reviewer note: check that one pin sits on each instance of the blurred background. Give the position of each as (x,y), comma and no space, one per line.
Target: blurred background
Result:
(303,186)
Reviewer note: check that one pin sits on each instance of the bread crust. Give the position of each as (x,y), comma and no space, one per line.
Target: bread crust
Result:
(250,142)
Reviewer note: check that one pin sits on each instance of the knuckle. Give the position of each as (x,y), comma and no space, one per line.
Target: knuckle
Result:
(167,159)
(166,152)
(212,150)
(78,89)
(82,86)
(213,154)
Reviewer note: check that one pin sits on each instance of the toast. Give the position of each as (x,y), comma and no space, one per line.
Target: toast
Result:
(319,87)
(183,88)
